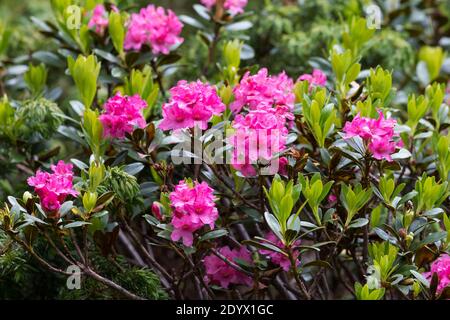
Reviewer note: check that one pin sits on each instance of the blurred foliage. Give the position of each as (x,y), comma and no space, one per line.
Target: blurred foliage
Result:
(22,278)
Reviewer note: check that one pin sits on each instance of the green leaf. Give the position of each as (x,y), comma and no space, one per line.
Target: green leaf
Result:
(134,168)
(213,235)
(191,21)
(273,224)
(401,154)
(357,223)
(264,246)
(76,224)
(117,31)
(202,11)
(85,72)
(239,26)
(421,278)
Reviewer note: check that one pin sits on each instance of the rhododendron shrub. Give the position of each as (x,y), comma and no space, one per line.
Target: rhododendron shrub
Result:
(229,150)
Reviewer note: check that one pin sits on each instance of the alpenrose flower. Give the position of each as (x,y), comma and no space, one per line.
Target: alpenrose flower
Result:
(441,266)
(279,258)
(99,19)
(191,104)
(193,207)
(261,91)
(154,27)
(53,188)
(122,114)
(262,132)
(234,6)
(377,133)
(220,273)
(317,78)
(259,135)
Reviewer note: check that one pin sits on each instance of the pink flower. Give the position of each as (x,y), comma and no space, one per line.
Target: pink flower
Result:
(208,3)
(122,114)
(190,104)
(279,258)
(259,136)
(193,207)
(332,198)
(441,267)
(261,91)
(99,18)
(53,188)
(234,6)
(262,132)
(50,203)
(317,78)
(382,149)
(378,134)
(184,228)
(154,27)
(221,273)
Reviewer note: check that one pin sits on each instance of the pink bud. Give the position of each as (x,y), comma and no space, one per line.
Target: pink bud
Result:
(156,210)
(332,198)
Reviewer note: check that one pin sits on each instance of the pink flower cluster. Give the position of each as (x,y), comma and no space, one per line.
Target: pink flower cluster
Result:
(154,27)
(99,19)
(262,91)
(317,78)
(53,188)
(262,132)
(441,266)
(190,104)
(221,273)
(234,6)
(377,133)
(259,135)
(121,114)
(279,258)
(193,207)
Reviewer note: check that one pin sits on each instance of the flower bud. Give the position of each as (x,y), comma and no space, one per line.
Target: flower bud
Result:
(96,175)
(409,238)
(408,218)
(157,210)
(89,200)
(26,196)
